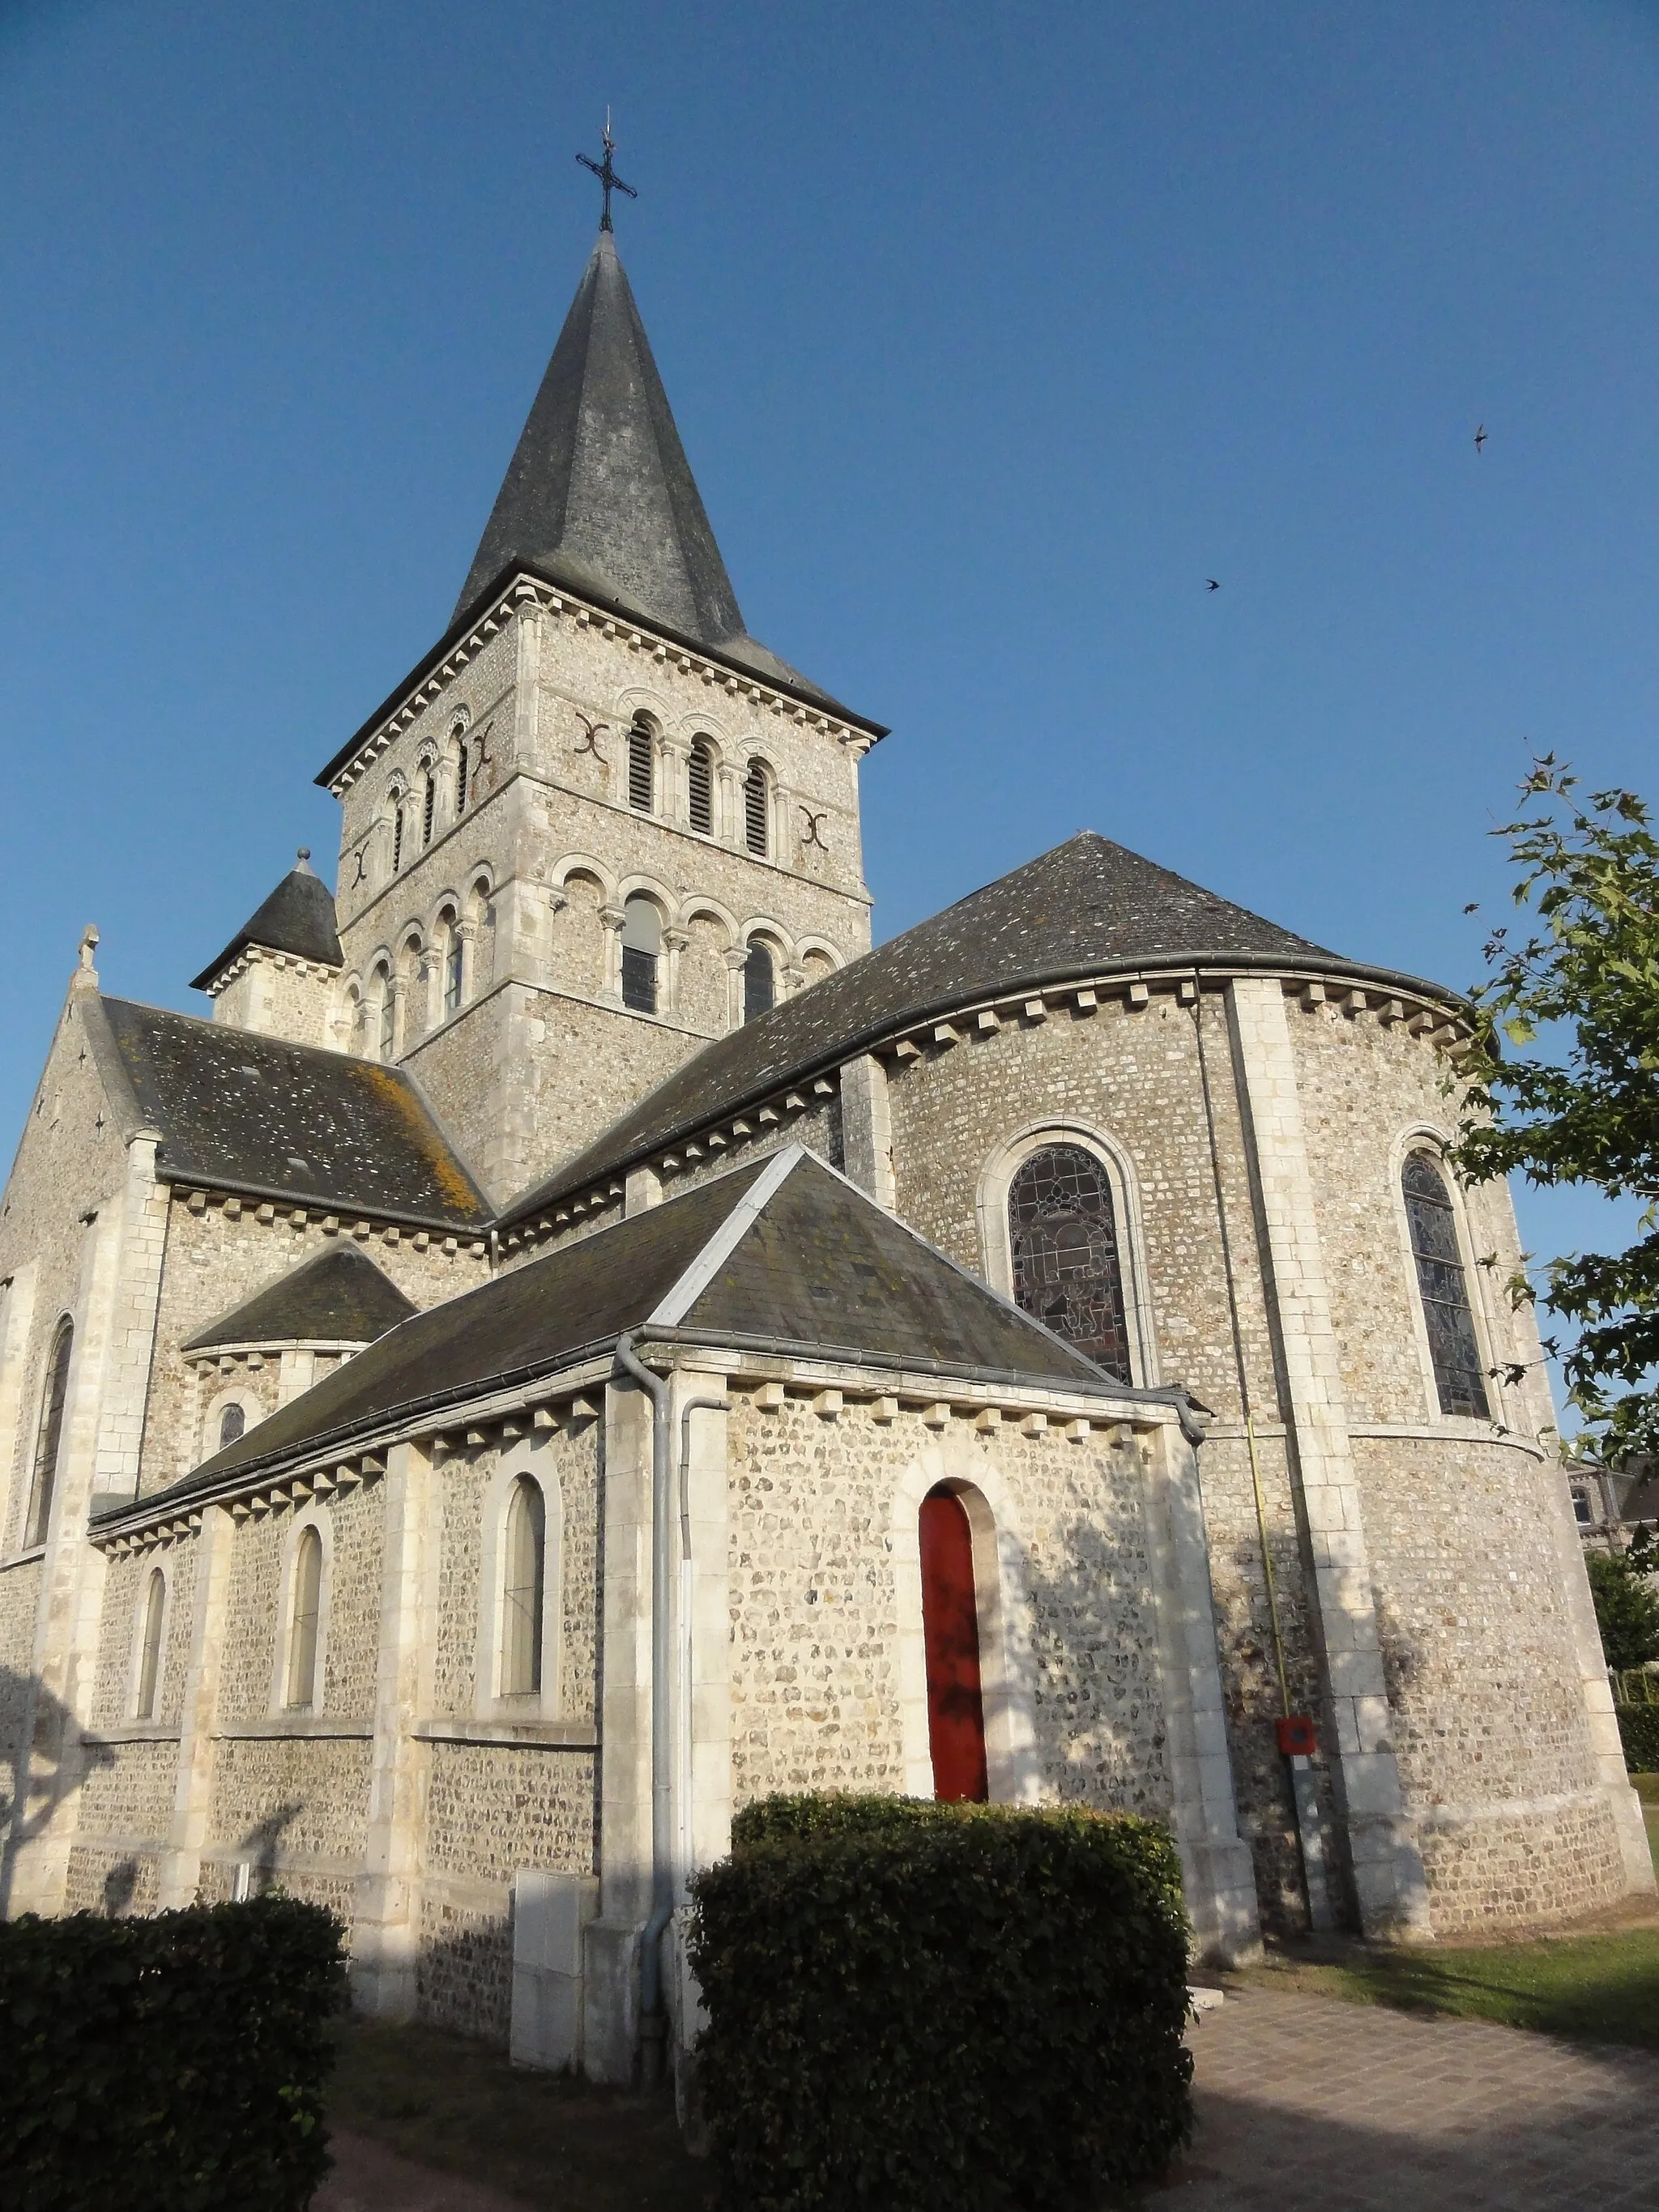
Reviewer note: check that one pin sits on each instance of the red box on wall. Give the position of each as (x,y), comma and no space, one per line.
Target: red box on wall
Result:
(1296,1738)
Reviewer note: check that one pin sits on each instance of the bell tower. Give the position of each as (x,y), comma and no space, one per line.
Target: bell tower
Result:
(599,824)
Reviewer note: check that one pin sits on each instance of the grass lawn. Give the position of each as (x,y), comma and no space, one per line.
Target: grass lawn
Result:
(454,2104)
(1601,1985)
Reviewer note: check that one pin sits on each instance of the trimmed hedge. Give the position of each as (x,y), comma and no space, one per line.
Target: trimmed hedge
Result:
(1638,1731)
(917,2005)
(169,2064)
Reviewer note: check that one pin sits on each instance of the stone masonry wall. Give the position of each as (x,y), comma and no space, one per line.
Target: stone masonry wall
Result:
(815,1623)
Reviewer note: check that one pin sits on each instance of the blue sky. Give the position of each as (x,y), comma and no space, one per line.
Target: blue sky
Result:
(993,331)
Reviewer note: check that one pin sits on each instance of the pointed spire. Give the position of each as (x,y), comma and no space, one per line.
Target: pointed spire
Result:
(599,487)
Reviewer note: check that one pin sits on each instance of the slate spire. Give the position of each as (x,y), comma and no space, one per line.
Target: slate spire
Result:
(599,487)
(298,917)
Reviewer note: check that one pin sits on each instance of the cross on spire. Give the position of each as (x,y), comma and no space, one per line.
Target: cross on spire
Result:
(606,174)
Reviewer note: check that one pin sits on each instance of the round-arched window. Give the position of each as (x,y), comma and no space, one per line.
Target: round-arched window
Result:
(756,806)
(305,1619)
(149,1649)
(523,1584)
(760,980)
(642,951)
(1062,1236)
(232,1422)
(1443,1289)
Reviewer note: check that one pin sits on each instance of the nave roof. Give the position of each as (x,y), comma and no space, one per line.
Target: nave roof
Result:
(266,1118)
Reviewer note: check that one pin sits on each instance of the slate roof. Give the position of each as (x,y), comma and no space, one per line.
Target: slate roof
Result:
(270,1119)
(298,917)
(599,494)
(782,1252)
(340,1296)
(1086,907)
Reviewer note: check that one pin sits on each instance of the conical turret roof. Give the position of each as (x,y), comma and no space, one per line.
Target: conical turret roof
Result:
(600,495)
(298,917)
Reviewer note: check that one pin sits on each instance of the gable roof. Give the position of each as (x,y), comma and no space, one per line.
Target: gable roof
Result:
(298,917)
(1085,907)
(270,1118)
(783,1254)
(599,494)
(339,1297)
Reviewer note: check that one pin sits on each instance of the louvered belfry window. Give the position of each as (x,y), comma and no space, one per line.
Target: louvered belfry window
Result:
(428,806)
(1062,1231)
(756,805)
(641,776)
(1443,1289)
(700,789)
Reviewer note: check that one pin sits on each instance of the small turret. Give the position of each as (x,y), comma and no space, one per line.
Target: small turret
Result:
(277,974)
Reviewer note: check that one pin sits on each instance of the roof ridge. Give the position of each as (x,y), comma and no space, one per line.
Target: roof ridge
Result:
(682,1295)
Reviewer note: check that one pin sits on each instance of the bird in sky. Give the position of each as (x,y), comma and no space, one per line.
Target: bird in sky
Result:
(1479,437)
(1211,583)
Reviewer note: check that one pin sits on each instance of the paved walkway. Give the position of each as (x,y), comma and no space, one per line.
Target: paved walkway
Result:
(1312,2104)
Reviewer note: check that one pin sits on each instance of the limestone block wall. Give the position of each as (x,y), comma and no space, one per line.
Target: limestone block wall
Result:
(279,994)
(220,1251)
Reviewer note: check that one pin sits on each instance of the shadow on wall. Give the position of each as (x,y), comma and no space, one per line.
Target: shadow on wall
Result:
(45,1761)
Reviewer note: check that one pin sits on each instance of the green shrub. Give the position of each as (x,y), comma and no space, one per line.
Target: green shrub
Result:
(1638,1727)
(1627,1608)
(915,2005)
(170,2064)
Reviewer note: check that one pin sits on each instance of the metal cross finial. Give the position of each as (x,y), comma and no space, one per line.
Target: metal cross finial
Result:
(606,174)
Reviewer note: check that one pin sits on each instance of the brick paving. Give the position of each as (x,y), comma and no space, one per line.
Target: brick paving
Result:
(1309,2104)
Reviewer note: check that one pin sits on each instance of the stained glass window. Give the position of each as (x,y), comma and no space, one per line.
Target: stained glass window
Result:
(1441,1287)
(1063,1234)
(233,1425)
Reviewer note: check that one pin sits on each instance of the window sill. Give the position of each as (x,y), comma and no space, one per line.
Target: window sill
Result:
(134,1732)
(30,1551)
(528,1733)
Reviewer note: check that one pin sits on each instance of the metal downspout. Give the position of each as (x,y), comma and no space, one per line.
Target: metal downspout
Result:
(653,2026)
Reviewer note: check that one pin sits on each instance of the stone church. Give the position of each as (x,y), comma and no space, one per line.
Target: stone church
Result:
(578,1340)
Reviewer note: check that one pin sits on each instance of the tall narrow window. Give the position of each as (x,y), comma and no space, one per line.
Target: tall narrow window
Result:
(453,962)
(1441,1287)
(301,1692)
(756,806)
(642,769)
(642,951)
(232,1425)
(149,1649)
(396,834)
(428,806)
(460,777)
(760,982)
(1062,1235)
(523,1589)
(700,787)
(49,1441)
(950,1620)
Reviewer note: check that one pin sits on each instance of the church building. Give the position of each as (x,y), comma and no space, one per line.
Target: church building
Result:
(576,1340)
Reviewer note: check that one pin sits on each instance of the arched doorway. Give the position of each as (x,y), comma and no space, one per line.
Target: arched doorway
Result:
(950,1620)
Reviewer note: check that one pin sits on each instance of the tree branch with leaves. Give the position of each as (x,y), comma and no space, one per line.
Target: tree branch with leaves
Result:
(1563,1077)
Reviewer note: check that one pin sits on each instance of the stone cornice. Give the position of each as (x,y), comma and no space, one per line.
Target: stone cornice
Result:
(527,593)
(253,954)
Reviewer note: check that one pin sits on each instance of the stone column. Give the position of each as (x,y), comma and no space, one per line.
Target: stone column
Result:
(674,943)
(673,756)
(1390,1885)
(397,991)
(866,1129)
(192,1795)
(735,956)
(611,918)
(468,933)
(386,1940)
(430,988)
(1215,1860)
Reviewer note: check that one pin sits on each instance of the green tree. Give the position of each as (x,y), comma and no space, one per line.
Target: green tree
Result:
(1574,997)
(1626,1610)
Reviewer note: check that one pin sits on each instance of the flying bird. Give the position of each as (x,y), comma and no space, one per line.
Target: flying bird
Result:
(1212,584)
(1479,437)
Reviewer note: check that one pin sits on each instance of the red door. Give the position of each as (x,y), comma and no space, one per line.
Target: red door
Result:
(950,1620)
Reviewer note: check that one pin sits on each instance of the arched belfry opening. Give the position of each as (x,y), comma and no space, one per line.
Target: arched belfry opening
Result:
(950,1620)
